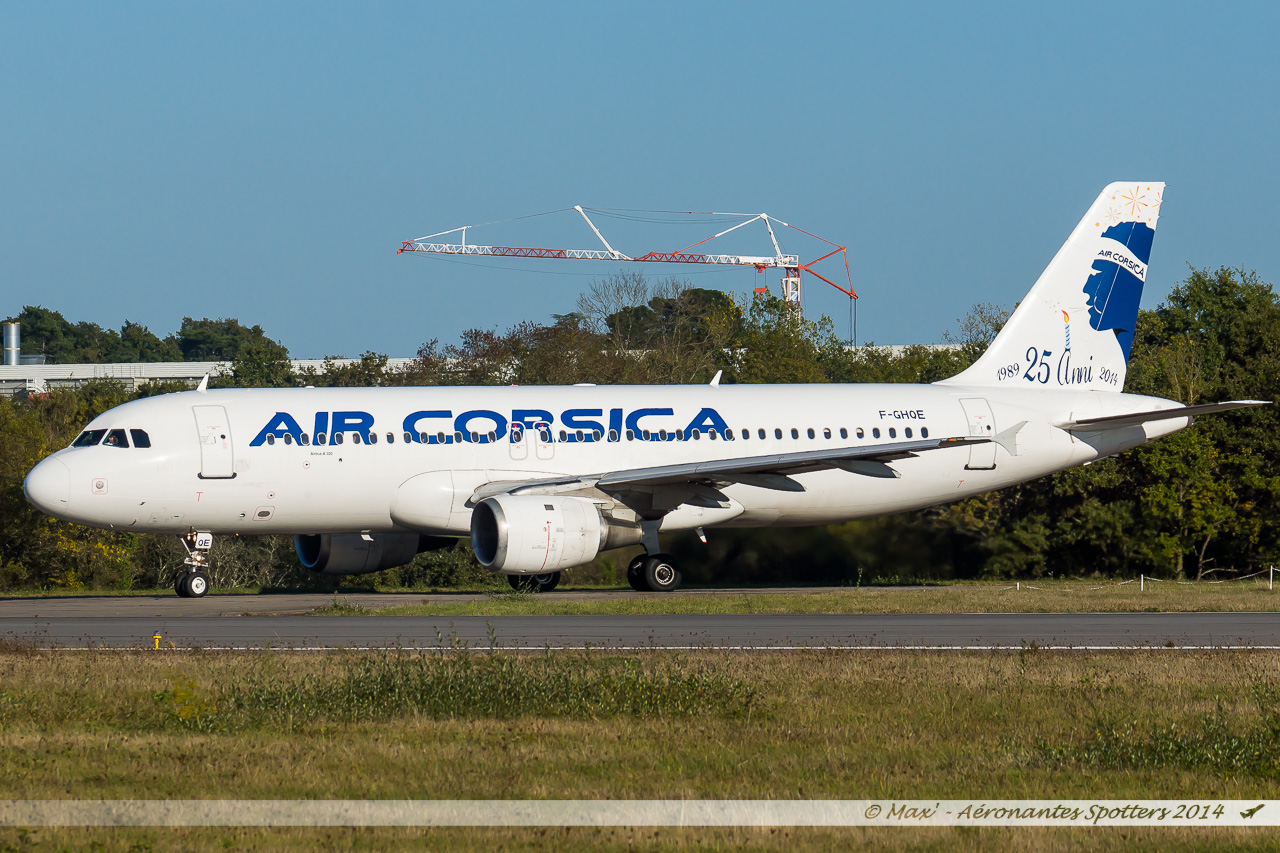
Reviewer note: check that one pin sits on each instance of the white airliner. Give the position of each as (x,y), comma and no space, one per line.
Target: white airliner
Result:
(545,478)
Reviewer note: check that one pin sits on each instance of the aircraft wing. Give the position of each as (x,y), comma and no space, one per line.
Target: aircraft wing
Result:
(1138,418)
(769,471)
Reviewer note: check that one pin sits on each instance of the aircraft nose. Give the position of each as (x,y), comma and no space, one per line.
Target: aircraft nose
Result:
(48,486)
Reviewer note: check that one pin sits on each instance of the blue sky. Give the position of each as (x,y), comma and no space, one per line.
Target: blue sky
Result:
(264,160)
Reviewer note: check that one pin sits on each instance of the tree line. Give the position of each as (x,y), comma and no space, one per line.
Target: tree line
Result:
(1195,504)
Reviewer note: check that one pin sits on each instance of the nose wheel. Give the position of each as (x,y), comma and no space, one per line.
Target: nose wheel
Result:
(192,581)
(190,584)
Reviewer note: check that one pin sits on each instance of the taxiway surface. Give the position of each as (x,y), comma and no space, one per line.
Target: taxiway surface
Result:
(227,623)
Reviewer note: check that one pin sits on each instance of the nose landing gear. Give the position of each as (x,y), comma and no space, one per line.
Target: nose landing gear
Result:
(191,580)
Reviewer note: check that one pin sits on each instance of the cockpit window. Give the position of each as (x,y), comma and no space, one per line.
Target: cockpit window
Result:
(89,438)
(116,438)
(140,438)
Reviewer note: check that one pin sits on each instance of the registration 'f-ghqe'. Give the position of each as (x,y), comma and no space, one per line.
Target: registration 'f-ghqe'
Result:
(544,478)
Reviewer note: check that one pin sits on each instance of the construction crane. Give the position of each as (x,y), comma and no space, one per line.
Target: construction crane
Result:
(789,264)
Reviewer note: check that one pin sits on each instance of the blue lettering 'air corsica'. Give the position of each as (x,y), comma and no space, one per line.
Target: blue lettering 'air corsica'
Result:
(1113,291)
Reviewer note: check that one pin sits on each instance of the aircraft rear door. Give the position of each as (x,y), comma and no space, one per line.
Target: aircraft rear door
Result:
(982,424)
(216,457)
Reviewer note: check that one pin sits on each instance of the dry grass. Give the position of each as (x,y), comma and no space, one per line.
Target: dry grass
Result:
(1042,597)
(812,724)
(631,839)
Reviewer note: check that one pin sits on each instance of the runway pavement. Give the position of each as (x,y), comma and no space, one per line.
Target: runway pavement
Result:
(99,622)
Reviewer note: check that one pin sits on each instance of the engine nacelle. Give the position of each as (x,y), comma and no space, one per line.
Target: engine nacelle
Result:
(533,534)
(354,554)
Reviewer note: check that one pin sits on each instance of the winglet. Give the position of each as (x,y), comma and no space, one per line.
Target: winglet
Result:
(715,380)
(204,385)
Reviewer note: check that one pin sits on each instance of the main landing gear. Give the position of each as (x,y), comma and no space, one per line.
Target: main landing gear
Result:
(192,581)
(534,583)
(653,573)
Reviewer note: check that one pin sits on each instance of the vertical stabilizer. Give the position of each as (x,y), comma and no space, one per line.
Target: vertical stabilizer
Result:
(1074,330)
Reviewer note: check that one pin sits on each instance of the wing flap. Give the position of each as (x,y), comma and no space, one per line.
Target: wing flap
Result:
(769,471)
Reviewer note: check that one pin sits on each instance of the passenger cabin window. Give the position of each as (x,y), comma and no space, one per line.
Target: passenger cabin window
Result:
(795,433)
(924,432)
(140,438)
(288,438)
(760,433)
(391,438)
(271,438)
(89,438)
(844,433)
(613,435)
(304,439)
(595,435)
(875,432)
(746,433)
(893,433)
(631,435)
(408,437)
(116,438)
(811,433)
(373,438)
(777,432)
(861,434)
(320,437)
(907,432)
(337,438)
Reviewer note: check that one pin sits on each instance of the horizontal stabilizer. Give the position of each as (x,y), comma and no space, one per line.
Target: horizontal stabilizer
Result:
(1139,418)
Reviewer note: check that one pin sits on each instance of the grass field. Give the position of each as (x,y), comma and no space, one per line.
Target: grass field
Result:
(589,725)
(1042,597)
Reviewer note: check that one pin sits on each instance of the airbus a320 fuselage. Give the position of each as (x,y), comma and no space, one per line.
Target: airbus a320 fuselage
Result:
(544,478)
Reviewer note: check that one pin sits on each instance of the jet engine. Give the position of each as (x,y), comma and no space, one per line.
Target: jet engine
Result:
(357,554)
(534,534)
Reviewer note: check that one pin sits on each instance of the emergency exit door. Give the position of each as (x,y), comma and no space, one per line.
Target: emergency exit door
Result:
(982,424)
(217,460)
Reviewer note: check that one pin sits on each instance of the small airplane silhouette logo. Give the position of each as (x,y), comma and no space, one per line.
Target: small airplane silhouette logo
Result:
(1251,812)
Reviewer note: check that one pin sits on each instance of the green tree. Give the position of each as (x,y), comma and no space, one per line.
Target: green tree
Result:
(138,344)
(215,340)
(262,363)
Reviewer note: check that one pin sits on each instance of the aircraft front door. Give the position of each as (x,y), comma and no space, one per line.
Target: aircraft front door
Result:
(217,460)
(982,424)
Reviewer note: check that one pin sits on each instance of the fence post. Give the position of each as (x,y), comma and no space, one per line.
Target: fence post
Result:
(1271,582)
(1019,584)
(1142,583)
